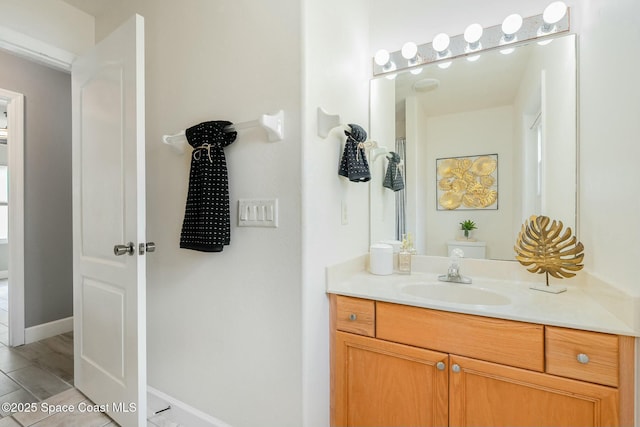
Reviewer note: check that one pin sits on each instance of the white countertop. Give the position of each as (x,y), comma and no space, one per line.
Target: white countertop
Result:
(582,306)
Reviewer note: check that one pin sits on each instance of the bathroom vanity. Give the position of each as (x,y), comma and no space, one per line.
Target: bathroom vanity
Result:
(407,352)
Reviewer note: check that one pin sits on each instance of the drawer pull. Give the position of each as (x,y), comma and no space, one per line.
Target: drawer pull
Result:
(440,366)
(353,317)
(455,368)
(583,358)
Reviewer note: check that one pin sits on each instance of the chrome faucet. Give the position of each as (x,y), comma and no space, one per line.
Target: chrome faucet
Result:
(453,273)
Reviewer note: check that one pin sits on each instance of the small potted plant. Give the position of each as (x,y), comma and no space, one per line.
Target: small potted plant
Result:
(466,227)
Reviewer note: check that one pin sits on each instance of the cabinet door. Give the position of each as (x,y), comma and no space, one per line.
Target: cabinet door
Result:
(487,394)
(379,383)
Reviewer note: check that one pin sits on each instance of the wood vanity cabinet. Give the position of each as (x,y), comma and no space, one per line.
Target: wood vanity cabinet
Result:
(396,365)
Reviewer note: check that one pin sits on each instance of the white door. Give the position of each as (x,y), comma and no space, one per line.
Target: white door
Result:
(108,210)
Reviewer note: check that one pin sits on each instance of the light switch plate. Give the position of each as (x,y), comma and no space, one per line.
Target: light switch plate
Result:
(258,213)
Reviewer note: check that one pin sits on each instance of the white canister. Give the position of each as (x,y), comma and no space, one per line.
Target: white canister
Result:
(381,259)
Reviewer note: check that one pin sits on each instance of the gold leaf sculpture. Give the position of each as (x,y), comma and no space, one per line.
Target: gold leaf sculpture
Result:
(467,182)
(542,245)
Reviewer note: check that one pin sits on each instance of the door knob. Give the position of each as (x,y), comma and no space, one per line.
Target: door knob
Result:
(440,366)
(129,249)
(455,368)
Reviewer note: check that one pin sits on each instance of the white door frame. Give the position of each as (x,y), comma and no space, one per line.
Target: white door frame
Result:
(15,149)
(35,50)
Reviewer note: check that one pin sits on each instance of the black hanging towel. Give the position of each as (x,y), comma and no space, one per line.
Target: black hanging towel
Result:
(207,221)
(393,178)
(354,162)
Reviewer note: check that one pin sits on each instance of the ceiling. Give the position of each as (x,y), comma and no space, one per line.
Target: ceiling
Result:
(491,81)
(93,7)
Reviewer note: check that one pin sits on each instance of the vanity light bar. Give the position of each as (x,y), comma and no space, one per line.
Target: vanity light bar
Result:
(492,38)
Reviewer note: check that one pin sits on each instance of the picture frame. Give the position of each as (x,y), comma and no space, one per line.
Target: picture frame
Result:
(467,183)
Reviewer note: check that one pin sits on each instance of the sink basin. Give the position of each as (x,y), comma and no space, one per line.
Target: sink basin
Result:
(455,293)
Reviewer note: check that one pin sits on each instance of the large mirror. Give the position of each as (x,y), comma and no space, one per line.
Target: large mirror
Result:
(517,108)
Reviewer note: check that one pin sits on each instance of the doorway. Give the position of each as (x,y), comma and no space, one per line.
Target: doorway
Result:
(4,226)
(12,217)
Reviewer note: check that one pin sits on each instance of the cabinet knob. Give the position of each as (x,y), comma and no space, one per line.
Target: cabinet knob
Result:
(583,358)
(440,366)
(455,368)
(353,316)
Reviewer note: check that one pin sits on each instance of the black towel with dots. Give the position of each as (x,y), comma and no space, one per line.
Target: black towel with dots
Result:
(393,178)
(207,220)
(354,162)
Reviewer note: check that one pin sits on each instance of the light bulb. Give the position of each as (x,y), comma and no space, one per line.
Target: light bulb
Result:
(441,43)
(554,12)
(511,25)
(472,36)
(507,51)
(409,50)
(382,57)
(473,33)
(416,71)
(473,58)
(552,15)
(444,65)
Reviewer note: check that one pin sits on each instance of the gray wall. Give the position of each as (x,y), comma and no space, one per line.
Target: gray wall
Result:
(47,193)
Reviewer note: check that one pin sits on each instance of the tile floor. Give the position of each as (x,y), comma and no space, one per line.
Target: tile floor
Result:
(43,372)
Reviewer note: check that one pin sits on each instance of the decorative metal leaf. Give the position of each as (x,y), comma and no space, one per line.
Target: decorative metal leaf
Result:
(459,185)
(444,184)
(542,245)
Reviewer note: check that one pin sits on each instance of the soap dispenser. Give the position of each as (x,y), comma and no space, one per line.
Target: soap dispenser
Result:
(404,257)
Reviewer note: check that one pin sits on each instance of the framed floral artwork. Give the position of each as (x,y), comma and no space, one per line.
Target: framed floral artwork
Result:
(467,183)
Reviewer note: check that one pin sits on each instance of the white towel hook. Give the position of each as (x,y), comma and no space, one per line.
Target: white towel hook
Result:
(377,152)
(327,122)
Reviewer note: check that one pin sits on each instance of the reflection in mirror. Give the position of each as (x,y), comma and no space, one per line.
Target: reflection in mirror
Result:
(520,107)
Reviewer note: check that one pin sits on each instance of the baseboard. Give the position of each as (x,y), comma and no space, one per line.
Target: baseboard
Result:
(4,274)
(180,412)
(48,330)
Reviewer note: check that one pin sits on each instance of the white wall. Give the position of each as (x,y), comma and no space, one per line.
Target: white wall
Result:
(609,149)
(51,21)
(471,133)
(558,116)
(555,64)
(382,118)
(224,329)
(336,74)
(416,132)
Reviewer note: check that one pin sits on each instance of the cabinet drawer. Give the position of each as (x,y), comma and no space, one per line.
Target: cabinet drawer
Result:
(502,341)
(355,315)
(598,354)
